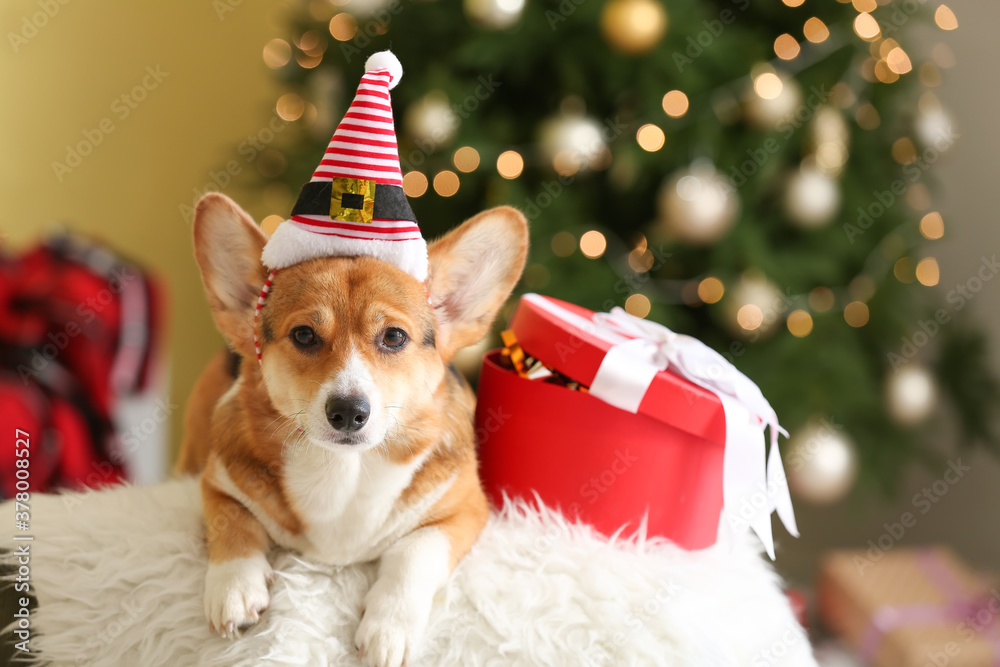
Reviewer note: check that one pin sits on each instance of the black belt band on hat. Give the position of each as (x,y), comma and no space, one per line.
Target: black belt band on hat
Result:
(390,201)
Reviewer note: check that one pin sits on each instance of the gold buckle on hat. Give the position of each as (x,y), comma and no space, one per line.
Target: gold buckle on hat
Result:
(352,200)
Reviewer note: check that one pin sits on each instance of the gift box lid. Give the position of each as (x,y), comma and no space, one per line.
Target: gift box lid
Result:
(565,337)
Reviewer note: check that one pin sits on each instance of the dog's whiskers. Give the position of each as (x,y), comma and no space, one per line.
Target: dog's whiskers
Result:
(286,420)
(290,433)
(367,474)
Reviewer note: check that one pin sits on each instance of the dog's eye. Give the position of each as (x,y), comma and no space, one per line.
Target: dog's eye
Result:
(394,338)
(304,336)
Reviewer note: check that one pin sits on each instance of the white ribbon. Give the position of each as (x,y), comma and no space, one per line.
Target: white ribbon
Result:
(752,490)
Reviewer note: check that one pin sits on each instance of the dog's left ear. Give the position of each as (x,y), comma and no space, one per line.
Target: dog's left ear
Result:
(472,272)
(227,246)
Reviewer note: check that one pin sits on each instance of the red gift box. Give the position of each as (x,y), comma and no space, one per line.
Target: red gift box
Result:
(599,463)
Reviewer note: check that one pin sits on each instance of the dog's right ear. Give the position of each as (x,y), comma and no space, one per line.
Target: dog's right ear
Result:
(227,246)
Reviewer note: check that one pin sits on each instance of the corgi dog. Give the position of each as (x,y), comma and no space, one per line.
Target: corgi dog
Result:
(352,441)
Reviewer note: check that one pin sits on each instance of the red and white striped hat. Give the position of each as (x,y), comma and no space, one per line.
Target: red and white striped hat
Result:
(354,204)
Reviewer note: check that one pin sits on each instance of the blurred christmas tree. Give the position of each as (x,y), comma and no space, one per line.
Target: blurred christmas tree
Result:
(753,174)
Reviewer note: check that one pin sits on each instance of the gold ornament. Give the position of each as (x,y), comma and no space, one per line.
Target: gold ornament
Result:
(633,26)
(698,205)
(911,394)
(495,14)
(821,463)
(812,198)
(431,120)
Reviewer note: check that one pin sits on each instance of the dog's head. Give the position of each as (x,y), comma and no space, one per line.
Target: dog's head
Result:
(352,351)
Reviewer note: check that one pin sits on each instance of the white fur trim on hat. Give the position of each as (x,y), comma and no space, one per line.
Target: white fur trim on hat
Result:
(290,244)
(386,60)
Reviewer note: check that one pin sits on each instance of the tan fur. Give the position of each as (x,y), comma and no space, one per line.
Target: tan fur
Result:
(244,432)
(213,382)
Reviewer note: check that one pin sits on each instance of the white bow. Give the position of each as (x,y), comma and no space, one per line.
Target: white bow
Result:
(752,490)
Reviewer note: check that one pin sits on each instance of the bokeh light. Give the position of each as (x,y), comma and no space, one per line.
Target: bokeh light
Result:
(414,184)
(466,159)
(768,86)
(800,323)
(815,30)
(928,272)
(277,53)
(711,290)
(446,183)
(856,314)
(932,226)
(638,305)
(675,104)
(786,47)
(510,164)
(650,138)
(593,244)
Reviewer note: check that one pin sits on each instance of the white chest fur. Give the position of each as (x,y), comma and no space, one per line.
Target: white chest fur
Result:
(350,503)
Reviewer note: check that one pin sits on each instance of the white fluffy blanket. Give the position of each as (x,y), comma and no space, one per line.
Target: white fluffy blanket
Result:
(118,576)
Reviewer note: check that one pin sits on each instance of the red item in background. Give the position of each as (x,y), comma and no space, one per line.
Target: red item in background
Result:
(800,605)
(78,330)
(59,441)
(23,414)
(598,463)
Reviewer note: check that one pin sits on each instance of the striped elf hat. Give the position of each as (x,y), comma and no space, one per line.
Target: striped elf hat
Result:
(354,204)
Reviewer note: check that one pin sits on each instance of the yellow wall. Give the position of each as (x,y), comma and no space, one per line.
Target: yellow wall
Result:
(67,77)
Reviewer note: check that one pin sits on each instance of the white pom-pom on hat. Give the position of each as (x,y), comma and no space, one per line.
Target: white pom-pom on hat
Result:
(386,60)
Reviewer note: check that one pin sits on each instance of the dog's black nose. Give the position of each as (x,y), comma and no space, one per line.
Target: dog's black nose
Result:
(347,413)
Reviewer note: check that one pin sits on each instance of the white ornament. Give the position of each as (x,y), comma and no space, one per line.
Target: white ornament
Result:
(364,8)
(496,14)
(755,307)
(574,140)
(829,126)
(431,120)
(935,128)
(829,138)
(698,205)
(821,463)
(911,394)
(812,198)
(768,114)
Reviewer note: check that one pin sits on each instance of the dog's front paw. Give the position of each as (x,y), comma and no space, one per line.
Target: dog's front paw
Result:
(236,594)
(389,631)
